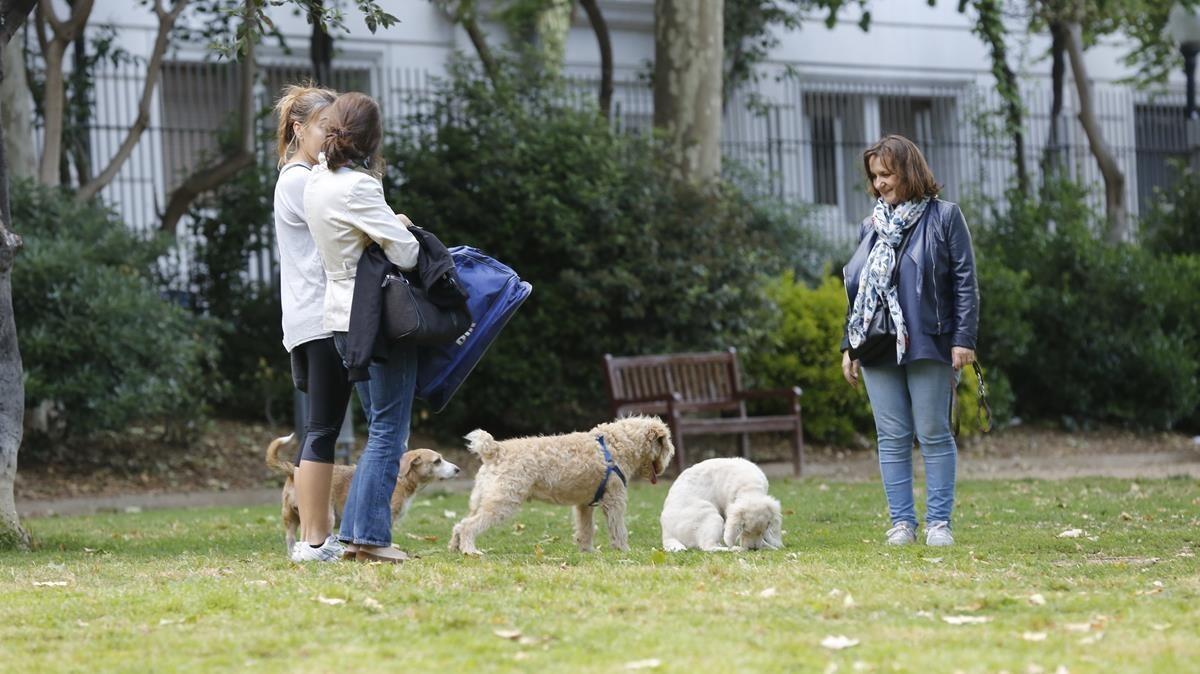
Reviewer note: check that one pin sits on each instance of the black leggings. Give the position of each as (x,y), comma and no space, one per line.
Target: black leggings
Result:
(328,394)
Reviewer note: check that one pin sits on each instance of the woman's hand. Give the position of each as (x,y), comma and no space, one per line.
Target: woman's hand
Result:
(850,369)
(404,220)
(961,357)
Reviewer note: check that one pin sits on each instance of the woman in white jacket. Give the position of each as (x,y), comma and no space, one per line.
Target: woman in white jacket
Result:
(302,297)
(346,212)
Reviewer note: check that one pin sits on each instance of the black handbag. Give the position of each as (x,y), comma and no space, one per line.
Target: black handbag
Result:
(410,316)
(880,338)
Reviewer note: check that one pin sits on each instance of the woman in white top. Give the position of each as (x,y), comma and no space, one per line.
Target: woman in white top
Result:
(302,295)
(346,212)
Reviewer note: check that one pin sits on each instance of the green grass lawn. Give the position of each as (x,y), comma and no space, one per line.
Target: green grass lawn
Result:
(211,590)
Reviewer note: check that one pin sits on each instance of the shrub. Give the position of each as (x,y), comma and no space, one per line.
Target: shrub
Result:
(1172,226)
(1100,332)
(230,228)
(98,342)
(622,257)
(804,351)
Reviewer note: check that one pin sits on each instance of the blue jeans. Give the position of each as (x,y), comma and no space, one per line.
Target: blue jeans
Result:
(387,400)
(914,399)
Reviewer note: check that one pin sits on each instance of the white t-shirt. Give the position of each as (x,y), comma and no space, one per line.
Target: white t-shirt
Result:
(301,275)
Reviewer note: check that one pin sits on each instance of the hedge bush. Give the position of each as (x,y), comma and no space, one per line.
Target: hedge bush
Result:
(98,342)
(623,258)
(1086,330)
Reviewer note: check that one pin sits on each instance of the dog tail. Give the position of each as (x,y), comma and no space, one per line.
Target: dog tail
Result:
(482,444)
(273,459)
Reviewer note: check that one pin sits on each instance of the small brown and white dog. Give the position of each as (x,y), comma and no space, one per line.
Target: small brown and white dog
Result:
(721,504)
(418,467)
(566,470)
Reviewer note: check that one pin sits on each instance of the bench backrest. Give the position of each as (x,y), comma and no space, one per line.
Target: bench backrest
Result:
(711,378)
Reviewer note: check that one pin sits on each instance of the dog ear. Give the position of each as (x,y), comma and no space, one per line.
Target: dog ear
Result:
(409,461)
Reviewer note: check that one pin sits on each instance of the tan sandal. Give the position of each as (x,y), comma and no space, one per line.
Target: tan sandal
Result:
(371,555)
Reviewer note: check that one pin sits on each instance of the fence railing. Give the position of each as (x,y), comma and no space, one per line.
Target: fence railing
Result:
(803,138)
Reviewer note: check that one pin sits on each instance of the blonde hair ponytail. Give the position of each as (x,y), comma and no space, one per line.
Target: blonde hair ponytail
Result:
(298,103)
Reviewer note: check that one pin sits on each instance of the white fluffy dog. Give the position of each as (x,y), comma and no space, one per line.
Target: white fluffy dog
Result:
(567,470)
(721,504)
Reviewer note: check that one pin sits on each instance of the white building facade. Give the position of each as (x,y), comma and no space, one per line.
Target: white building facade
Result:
(919,71)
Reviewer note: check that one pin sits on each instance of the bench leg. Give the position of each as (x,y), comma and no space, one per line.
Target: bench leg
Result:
(798,448)
(680,454)
(744,446)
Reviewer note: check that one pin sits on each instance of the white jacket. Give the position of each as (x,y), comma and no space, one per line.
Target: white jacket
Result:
(346,211)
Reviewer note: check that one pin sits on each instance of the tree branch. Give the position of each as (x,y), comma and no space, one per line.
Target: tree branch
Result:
(166,21)
(604,40)
(1114,179)
(13,17)
(214,175)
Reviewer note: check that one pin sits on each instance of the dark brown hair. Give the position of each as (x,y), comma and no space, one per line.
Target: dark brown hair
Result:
(902,157)
(354,133)
(298,103)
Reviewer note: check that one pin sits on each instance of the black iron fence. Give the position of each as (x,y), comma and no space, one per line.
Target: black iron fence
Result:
(803,138)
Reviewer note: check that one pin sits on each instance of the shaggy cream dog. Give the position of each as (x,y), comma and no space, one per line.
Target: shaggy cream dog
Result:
(721,504)
(563,469)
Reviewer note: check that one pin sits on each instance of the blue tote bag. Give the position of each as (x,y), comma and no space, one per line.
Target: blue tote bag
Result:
(496,292)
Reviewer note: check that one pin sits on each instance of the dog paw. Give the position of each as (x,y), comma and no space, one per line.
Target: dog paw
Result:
(674,546)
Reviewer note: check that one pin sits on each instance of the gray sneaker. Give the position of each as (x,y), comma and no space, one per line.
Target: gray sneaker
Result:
(329,551)
(938,534)
(901,533)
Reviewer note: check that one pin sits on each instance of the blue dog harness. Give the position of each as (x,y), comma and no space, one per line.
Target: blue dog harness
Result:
(611,467)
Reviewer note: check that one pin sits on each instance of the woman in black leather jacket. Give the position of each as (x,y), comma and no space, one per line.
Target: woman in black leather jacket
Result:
(914,261)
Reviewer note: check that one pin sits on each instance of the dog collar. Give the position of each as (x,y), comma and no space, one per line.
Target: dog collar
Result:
(610,468)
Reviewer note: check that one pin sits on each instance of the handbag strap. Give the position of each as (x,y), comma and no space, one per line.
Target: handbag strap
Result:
(985,409)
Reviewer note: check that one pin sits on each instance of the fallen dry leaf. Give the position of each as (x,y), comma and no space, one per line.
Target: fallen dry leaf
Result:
(330,601)
(170,621)
(1160,627)
(511,635)
(1037,599)
(430,538)
(933,560)
(1091,639)
(372,604)
(966,619)
(848,601)
(924,614)
(1034,636)
(652,663)
(257,582)
(49,583)
(767,593)
(449,514)
(1071,533)
(838,642)
(1126,516)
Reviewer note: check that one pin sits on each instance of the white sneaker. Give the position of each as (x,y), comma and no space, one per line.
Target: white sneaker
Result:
(329,551)
(938,534)
(901,533)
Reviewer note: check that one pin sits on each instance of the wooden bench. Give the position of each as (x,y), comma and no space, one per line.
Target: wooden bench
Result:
(676,386)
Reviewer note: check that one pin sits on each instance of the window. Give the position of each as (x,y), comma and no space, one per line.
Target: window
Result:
(1160,134)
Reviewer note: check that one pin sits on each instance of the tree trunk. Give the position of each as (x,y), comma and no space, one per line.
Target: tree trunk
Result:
(16,115)
(214,175)
(1052,154)
(1114,180)
(688,68)
(552,25)
(166,23)
(12,381)
(604,40)
(53,50)
(80,148)
(320,46)
(990,27)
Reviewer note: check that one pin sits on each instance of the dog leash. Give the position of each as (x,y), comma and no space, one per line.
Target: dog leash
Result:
(611,467)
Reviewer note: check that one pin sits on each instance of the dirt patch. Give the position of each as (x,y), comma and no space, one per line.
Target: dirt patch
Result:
(229,459)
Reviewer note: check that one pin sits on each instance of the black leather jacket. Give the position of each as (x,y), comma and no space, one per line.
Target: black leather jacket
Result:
(940,260)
